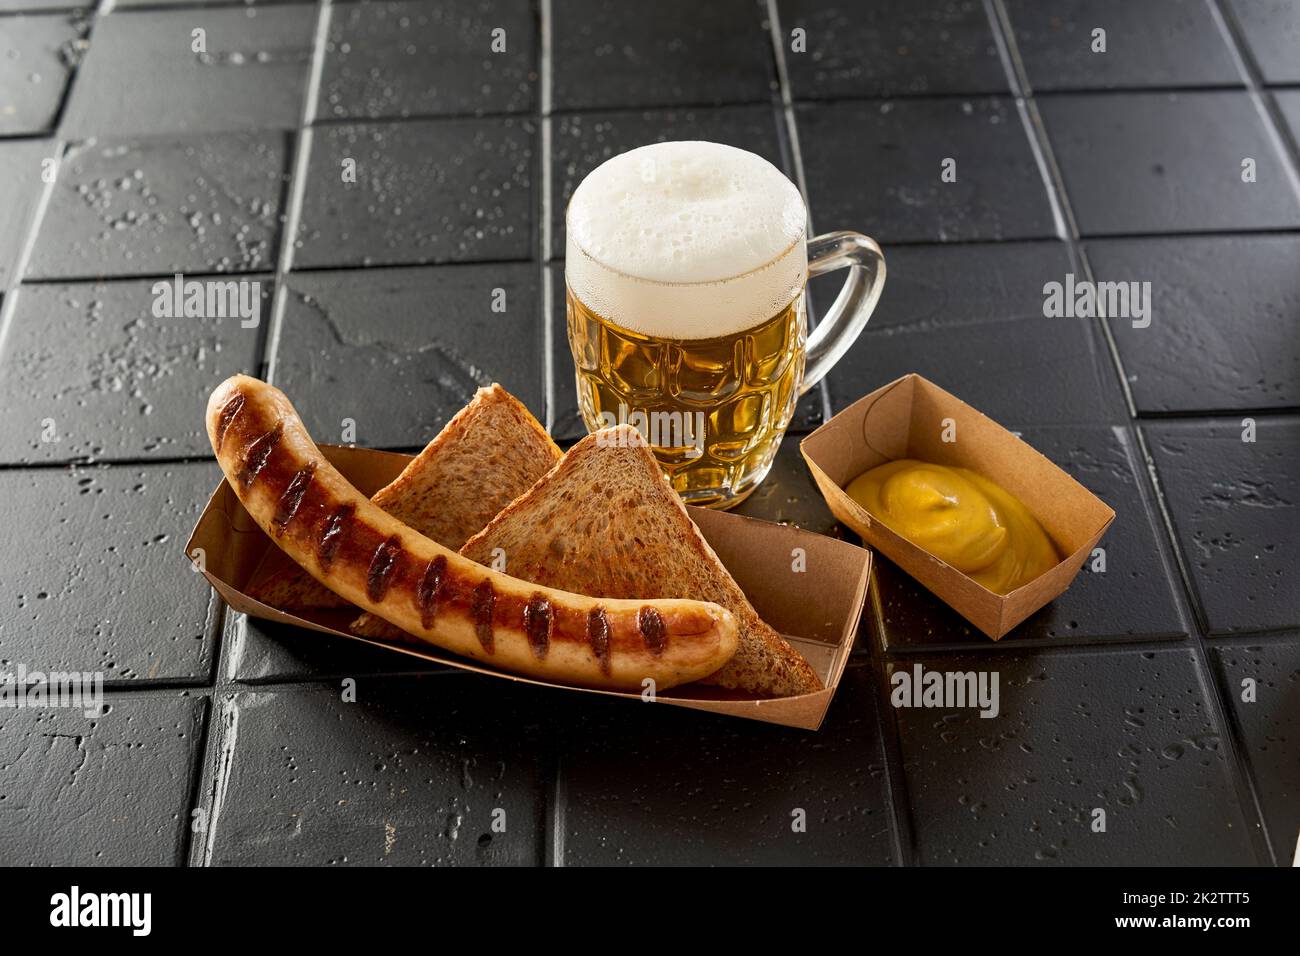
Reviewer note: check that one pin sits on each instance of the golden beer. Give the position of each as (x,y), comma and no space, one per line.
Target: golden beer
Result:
(685,275)
(714,410)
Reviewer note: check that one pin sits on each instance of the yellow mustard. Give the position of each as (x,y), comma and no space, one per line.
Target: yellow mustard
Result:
(961,518)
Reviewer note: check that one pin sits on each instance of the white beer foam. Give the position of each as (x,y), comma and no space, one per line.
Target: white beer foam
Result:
(686,240)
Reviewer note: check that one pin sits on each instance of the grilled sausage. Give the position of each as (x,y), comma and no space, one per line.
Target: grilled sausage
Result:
(378,563)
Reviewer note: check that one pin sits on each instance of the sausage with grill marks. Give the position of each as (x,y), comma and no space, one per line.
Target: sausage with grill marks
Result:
(380,564)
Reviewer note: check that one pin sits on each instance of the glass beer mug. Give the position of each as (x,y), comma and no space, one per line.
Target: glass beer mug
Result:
(685,272)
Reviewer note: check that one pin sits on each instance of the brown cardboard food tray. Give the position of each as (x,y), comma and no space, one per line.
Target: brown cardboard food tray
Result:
(906,419)
(817,609)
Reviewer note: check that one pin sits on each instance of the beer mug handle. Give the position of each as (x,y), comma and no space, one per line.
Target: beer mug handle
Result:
(839,327)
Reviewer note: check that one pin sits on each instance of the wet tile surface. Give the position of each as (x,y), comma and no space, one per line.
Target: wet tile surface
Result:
(143,74)
(1235,513)
(22,164)
(24,6)
(1223,316)
(1123,592)
(417,59)
(934,287)
(112,790)
(891,48)
(789,495)
(1127,734)
(89,371)
(391,354)
(37,56)
(670,53)
(264,652)
(1019,373)
(1262,687)
(156,207)
(1272,31)
(429,771)
(395,194)
(1288,102)
(394,174)
(1144,163)
(97,577)
(878,168)
(1159,43)
(737,793)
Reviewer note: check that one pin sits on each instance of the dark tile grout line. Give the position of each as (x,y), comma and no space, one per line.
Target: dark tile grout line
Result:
(796,430)
(40,136)
(1184,234)
(542,205)
(1140,90)
(217,681)
(1267,105)
(47,11)
(977,644)
(70,463)
(1213,414)
(1246,784)
(290,683)
(90,16)
(877,96)
(270,272)
(1084,237)
(194,792)
(469,116)
(37,281)
(899,805)
(1076,650)
(1246,795)
(973,94)
(552,809)
(1290,138)
(1235,763)
(1275,635)
(167,6)
(7,303)
(210,779)
(1200,620)
(295,190)
(629,109)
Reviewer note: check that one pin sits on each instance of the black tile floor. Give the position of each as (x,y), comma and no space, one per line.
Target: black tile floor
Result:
(388,173)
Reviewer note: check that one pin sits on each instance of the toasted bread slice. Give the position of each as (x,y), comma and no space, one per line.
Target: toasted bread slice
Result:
(605,522)
(491,452)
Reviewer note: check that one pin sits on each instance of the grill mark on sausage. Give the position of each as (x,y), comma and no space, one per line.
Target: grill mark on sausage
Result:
(428,594)
(598,637)
(485,599)
(538,621)
(291,500)
(653,631)
(259,452)
(228,413)
(382,567)
(332,532)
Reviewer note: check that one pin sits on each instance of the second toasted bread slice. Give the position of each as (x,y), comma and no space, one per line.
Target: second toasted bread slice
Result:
(605,522)
(491,452)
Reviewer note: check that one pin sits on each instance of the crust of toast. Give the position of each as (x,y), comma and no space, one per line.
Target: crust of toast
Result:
(604,521)
(490,452)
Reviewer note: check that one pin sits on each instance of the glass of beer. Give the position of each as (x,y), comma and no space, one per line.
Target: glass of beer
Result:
(685,273)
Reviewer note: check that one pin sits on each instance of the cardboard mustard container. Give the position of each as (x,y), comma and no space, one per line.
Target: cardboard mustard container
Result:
(909,418)
(809,587)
